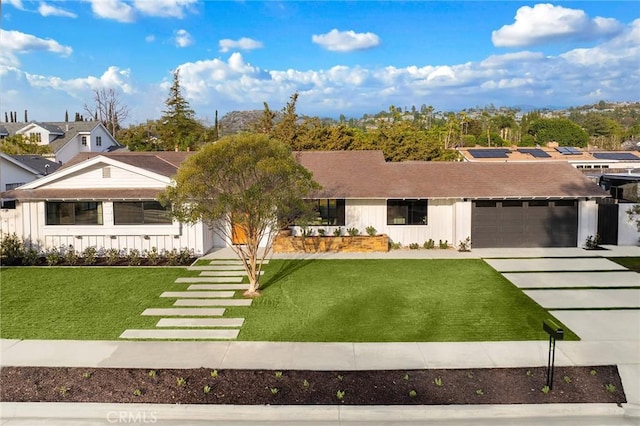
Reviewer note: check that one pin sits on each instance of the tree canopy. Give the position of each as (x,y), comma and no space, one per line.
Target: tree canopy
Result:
(246,181)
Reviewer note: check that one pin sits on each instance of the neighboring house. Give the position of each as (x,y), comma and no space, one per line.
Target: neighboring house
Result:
(589,161)
(66,139)
(16,170)
(108,201)
(105,201)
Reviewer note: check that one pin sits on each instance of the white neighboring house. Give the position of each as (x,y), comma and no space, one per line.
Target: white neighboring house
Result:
(16,170)
(66,139)
(104,201)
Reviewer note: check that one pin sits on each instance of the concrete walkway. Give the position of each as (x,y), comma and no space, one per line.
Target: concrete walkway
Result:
(620,345)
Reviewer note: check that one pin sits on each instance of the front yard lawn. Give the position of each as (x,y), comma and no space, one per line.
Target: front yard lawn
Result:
(390,301)
(303,300)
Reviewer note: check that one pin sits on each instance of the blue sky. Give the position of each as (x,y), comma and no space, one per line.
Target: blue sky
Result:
(345,58)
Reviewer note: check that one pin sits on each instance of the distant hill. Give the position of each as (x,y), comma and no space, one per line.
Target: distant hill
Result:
(239,121)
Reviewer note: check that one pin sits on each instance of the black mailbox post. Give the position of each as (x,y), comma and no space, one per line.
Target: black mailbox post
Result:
(555,333)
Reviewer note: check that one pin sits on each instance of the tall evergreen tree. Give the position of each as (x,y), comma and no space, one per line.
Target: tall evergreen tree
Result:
(179,127)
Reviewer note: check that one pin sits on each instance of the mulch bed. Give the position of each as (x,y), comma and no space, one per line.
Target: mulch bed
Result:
(595,384)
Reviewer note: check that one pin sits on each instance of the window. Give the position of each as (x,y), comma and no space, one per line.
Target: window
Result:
(78,213)
(406,212)
(36,137)
(328,212)
(141,213)
(10,186)
(9,204)
(84,141)
(98,140)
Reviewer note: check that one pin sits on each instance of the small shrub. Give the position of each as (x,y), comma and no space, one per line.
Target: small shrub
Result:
(413,393)
(185,255)
(371,231)
(438,382)
(593,372)
(567,379)
(337,232)
(340,394)
(152,374)
(610,387)
(353,232)
(278,374)
(443,244)
(11,249)
(134,258)
(63,390)
(306,231)
(395,246)
(322,232)
(71,256)
(529,373)
(86,375)
(479,392)
(430,244)
(414,246)
(113,256)
(181,381)
(305,384)
(214,373)
(465,245)
(545,389)
(30,257)
(137,392)
(153,256)
(340,377)
(207,389)
(172,256)
(274,391)
(89,255)
(52,256)
(593,242)
(406,377)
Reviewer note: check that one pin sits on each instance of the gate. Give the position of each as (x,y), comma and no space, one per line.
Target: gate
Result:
(608,223)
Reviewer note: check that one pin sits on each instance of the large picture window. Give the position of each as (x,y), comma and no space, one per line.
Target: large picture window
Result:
(406,212)
(328,212)
(141,213)
(76,213)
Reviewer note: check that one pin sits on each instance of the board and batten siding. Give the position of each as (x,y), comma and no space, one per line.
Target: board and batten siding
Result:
(102,176)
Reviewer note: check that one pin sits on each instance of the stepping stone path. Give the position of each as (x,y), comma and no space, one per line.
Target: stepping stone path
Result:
(201,307)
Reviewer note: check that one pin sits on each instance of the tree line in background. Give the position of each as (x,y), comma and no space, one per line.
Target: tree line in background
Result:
(408,133)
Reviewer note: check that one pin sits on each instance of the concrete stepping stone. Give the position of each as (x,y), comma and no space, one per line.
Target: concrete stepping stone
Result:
(218,287)
(184,312)
(213,302)
(179,334)
(200,322)
(554,264)
(574,279)
(216,268)
(225,273)
(232,262)
(207,294)
(586,298)
(209,280)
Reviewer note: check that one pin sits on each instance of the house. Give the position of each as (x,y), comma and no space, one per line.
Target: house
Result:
(593,162)
(104,201)
(108,200)
(16,170)
(496,204)
(66,139)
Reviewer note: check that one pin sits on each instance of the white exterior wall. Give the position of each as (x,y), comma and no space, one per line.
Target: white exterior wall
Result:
(587,220)
(628,234)
(11,173)
(28,222)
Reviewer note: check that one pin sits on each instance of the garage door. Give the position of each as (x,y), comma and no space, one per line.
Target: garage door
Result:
(524,223)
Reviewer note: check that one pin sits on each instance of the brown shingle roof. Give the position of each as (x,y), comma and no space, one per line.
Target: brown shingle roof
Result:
(364,174)
(165,163)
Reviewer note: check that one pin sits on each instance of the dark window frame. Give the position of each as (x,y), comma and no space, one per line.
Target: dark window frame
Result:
(141,213)
(75,213)
(403,212)
(329,211)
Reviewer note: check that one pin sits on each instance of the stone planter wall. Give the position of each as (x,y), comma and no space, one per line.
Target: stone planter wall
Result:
(346,244)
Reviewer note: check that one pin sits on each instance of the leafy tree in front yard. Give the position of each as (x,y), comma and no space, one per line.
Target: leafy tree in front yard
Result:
(247,182)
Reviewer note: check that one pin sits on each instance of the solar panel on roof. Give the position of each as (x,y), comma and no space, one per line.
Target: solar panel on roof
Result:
(489,153)
(534,152)
(568,150)
(615,156)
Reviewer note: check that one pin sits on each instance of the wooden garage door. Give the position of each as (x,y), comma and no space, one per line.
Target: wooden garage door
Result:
(524,223)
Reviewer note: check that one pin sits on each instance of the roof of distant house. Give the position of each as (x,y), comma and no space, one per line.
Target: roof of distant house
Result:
(37,163)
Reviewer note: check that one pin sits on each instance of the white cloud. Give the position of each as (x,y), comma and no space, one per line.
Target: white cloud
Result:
(113,77)
(48,10)
(182,38)
(164,8)
(15,3)
(346,41)
(242,44)
(150,38)
(113,9)
(14,42)
(546,23)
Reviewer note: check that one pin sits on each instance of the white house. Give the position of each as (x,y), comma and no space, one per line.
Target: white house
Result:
(108,200)
(66,139)
(104,201)
(16,170)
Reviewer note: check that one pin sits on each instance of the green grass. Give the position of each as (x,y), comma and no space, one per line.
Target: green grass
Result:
(81,303)
(307,301)
(632,263)
(390,300)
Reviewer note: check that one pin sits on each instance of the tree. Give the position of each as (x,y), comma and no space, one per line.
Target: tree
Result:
(247,181)
(108,109)
(286,130)
(19,144)
(264,124)
(561,130)
(179,128)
